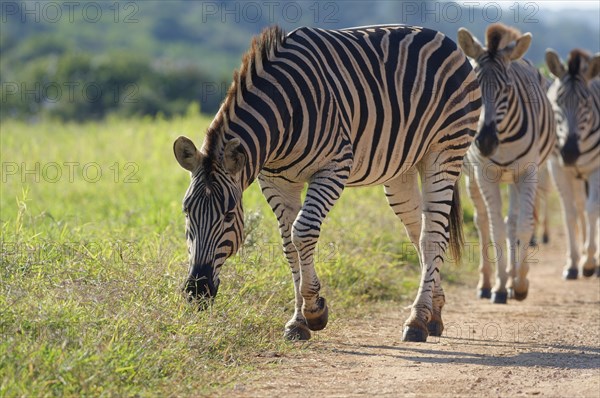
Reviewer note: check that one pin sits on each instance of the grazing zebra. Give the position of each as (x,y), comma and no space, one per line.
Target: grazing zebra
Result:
(515,135)
(334,108)
(575,97)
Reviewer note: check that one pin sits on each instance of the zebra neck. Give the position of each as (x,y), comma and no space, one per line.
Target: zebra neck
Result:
(263,124)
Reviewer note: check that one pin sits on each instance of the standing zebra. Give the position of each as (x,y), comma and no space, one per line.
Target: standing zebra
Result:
(334,108)
(575,97)
(515,136)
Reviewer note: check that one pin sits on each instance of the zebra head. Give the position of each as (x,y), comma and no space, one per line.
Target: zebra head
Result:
(492,65)
(571,99)
(213,212)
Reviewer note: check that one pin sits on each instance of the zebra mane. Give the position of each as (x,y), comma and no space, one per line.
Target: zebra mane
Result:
(574,60)
(498,36)
(262,48)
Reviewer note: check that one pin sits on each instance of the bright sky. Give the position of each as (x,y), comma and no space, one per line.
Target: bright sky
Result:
(545,4)
(564,4)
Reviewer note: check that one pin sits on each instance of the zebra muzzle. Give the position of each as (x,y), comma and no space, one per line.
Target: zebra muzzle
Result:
(570,151)
(200,286)
(487,140)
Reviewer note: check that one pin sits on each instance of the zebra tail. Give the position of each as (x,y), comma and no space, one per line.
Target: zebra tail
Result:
(457,239)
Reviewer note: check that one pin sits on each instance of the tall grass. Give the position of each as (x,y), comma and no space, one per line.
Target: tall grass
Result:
(92,264)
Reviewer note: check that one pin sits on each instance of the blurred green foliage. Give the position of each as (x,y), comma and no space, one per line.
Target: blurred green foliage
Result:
(85,60)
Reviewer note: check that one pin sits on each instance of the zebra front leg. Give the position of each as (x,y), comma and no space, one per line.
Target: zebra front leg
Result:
(525,191)
(567,192)
(490,190)
(511,232)
(404,198)
(324,190)
(480,216)
(589,262)
(284,199)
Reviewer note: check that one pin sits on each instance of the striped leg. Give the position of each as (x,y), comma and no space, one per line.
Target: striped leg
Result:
(542,211)
(324,190)
(580,189)
(567,191)
(483,230)
(592,214)
(437,197)
(524,191)
(284,199)
(544,189)
(511,233)
(490,191)
(404,197)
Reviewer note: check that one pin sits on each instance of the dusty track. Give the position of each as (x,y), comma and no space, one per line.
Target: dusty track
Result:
(548,345)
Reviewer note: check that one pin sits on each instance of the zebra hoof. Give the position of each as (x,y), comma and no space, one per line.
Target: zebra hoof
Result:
(570,274)
(296,332)
(414,334)
(435,328)
(587,272)
(499,297)
(545,239)
(510,293)
(320,321)
(484,293)
(533,242)
(519,296)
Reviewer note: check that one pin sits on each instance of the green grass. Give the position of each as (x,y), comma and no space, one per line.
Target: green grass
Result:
(90,271)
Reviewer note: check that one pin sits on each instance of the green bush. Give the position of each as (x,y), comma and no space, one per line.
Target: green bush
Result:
(79,86)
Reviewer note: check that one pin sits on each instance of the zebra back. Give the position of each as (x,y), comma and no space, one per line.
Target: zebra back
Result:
(393,92)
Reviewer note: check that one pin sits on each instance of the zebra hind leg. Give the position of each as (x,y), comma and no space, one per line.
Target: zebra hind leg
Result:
(404,198)
(439,202)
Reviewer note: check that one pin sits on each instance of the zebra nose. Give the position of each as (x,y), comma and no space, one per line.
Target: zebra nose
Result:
(487,140)
(570,151)
(200,286)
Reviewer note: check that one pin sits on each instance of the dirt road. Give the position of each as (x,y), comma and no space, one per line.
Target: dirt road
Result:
(548,345)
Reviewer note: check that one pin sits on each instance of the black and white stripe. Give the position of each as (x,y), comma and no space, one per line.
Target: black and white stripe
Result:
(376,105)
(515,136)
(575,163)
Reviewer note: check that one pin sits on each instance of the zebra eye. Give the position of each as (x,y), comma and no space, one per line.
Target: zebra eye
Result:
(229,217)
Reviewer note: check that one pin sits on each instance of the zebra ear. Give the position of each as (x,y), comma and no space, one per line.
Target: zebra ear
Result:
(594,67)
(234,157)
(469,44)
(520,47)
(554,63)
(186,153)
